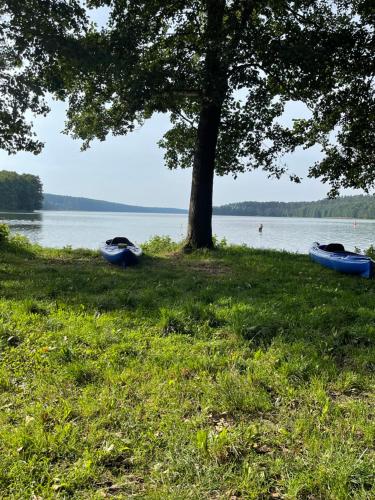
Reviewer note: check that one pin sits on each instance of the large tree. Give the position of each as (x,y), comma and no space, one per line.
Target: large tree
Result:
(224,70)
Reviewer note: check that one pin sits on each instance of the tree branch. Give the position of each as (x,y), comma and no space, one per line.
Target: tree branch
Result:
(190,122)
(245,16)
(243,66)
(299,17)
(187,93)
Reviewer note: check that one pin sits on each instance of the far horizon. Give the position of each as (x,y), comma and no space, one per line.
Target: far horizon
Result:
(187,207)
(140,205)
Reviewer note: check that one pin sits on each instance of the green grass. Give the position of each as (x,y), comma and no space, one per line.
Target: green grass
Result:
(236,373)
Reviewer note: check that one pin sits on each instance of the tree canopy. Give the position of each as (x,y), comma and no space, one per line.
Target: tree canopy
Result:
(152,57)
(33,35)
(224,71)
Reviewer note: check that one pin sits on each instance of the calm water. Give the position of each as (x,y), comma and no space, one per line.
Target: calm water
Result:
(88,229)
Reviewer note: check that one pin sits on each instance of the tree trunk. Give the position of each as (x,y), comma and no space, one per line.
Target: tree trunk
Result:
(214,89)
(200,209)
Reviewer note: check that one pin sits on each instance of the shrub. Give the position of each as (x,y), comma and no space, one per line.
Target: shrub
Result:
(371,252)
(220,244)
(20,243)
(4,233)
(160,245)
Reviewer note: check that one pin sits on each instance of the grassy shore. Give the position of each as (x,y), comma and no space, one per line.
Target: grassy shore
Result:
(236,373)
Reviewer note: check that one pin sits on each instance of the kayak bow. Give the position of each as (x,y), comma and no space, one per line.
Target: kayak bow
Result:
(120,251)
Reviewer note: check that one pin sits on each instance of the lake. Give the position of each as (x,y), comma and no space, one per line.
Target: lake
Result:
(88,229)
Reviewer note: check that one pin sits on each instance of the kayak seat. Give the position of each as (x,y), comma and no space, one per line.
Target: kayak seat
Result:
(119,239)
(335,247)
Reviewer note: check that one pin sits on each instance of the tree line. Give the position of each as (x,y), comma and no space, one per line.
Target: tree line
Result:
(356,207)
(20,191)
(60,202)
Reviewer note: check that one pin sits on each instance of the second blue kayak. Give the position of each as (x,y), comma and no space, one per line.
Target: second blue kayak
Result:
(336,257)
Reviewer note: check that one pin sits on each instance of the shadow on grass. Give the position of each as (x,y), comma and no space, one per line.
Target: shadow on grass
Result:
(256,295)
(75,278)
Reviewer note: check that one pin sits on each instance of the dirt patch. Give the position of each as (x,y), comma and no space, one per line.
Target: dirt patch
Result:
(211,267)
(207,266)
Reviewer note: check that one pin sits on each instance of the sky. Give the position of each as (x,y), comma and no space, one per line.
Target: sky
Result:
(131,169)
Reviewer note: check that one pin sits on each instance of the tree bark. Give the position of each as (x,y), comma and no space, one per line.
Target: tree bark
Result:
(200,209)
(214,89)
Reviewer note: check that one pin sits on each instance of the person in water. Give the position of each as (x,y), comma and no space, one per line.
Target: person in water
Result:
(260,229)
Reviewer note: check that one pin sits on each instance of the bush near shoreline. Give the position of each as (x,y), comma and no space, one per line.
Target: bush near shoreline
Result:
(236,373)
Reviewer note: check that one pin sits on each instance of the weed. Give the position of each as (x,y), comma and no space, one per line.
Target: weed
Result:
(172,322)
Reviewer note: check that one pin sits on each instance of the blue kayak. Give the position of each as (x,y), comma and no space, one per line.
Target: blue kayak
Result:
(120,251)
(336,257)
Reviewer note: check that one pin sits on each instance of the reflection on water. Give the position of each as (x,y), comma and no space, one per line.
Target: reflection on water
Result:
(24,216)
(27,223)
(88,229)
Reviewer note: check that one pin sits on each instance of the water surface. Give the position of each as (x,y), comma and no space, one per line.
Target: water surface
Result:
(88,229)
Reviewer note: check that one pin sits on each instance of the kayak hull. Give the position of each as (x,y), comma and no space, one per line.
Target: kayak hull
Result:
(120,254)
(342,261)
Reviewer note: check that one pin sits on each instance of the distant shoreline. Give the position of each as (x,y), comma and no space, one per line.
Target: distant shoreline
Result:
(347,208)
(186,214)
(72,203)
